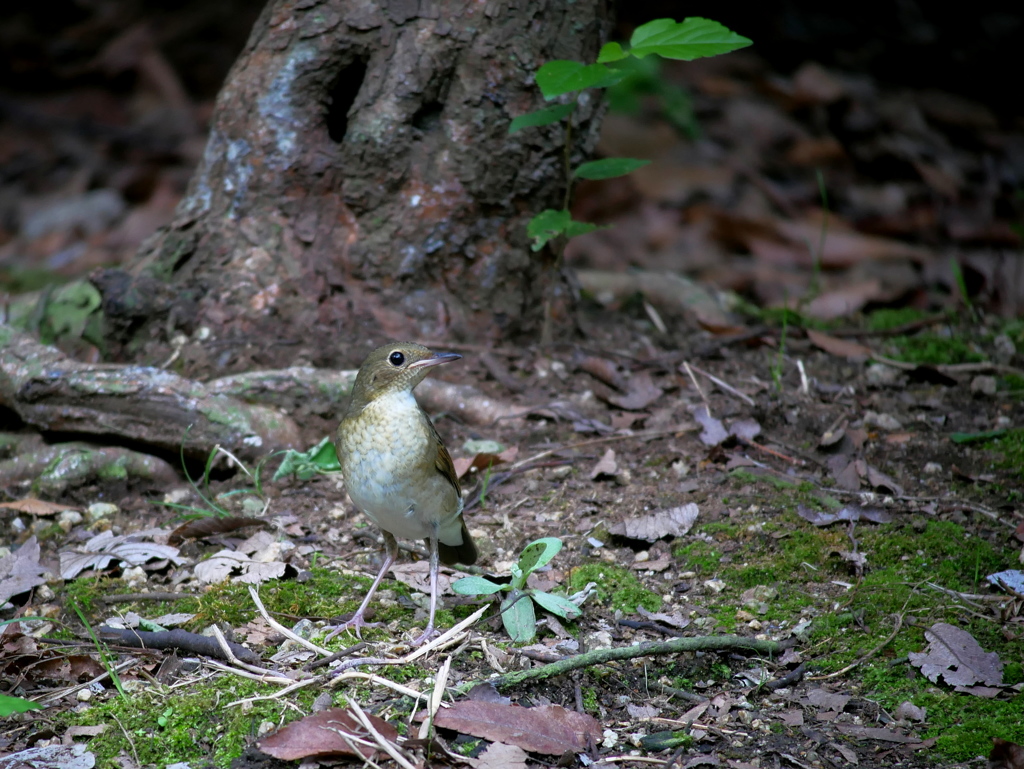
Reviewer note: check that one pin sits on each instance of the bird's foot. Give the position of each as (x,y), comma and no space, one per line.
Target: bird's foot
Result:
(356,625)
(427,635)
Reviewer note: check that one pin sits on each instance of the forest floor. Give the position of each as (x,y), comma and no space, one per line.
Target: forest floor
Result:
(824,451)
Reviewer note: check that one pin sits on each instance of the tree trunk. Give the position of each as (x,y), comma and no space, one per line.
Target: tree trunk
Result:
(359,183)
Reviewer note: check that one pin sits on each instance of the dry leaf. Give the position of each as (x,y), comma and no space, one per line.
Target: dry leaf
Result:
(98,552)
(674,522)
(549,729)
(324,734)
(606,466)
(238,566)
(1005,755)
(841,348)
(36,507)
(955,656)
(21,571)
(501,756)
(641,393)
(714,431)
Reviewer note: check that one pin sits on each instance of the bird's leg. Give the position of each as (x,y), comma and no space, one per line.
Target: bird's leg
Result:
(357,623)
(429,633)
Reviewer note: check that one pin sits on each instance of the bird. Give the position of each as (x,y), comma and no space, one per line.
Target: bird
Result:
(397,470)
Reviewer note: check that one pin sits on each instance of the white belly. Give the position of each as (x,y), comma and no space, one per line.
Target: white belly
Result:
(381,483)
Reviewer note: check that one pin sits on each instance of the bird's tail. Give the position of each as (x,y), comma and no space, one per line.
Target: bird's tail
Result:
(464,553)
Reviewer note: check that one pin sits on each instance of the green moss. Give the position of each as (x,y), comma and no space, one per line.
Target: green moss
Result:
(590,700)
(163,726)
(882,320)
(701,557)
(617,586)
(934,349)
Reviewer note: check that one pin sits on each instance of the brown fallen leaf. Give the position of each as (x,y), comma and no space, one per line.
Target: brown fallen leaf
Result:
(548,729)
(324,734)
(714,431)
(21,571)
(674,522)
(501,756)
(207,527)
(955,656)
(606,466)
(1005,755)
(641,393)
(841,348)
(36,507)
(482,460)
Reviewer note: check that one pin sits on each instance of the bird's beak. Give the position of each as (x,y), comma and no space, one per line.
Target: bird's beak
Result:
(436,359)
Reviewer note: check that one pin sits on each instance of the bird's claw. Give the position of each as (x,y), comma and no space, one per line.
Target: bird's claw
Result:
(356,625)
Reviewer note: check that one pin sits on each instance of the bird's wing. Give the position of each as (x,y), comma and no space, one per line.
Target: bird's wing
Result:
(444,463)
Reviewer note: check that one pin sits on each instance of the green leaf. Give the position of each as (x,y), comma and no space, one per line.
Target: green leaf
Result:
(541,117)
(11,705)
(551,223)
(611,52)
(519,617)
(987,435)
(692,38)
(476,586)
(322,458)
(609,168)
(539,553)
(563,76)
(556,604)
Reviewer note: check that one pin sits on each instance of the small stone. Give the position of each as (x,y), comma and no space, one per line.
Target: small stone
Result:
(44,594)
(983,385)
(68,519)
(715,585)
(680,468)
(882,421)
(98,510)
(1004,349)
(561,472)
(754,624)
(880,375)
(265,728)
(932,468)
(84,695)
(688,575)
(134,576)
(642,556)
(743,615)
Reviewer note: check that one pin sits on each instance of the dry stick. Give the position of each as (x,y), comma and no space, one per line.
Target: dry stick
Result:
(386,745)
(281,628)
(724,385)
(218,635)
(605,439)
(696,386)
(866,657)
(132,597)
(675,646)
(434,702)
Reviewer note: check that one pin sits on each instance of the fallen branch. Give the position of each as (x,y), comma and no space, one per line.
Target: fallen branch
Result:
(675,646)
(174,639)
(143,404)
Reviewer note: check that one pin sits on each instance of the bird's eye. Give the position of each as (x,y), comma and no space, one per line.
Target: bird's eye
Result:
(396,359)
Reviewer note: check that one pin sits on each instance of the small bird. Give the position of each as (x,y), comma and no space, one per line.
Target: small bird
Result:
(397,470)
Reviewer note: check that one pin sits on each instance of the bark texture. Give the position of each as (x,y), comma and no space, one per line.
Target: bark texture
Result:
(359,169)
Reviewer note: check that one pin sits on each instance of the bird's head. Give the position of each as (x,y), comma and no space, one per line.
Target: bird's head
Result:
(395,367)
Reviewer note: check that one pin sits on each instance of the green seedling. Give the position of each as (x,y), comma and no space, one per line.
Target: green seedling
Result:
(565,80)
(517,612)
(322,458)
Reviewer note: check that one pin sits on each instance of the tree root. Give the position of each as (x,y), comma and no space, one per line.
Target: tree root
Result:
(675,646)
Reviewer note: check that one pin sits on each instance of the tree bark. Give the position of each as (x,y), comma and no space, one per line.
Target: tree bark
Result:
(359,182)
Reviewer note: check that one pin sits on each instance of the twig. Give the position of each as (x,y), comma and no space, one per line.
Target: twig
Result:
(295,686)
(230,655)
(254,594)
(381,681)
(604,439)
(434,702)
(696,386)
(675,646)
(866,657)
(131,597)
(266,677)
(386,745)
(722,384)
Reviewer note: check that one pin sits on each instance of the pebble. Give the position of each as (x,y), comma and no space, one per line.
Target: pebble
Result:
(983,385)
(98,510)
(932,468)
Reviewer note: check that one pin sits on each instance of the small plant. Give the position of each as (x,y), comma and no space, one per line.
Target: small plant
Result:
(517,612)
(213,509)
(692,38)
(322,458)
